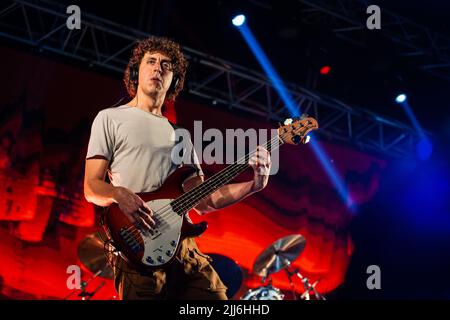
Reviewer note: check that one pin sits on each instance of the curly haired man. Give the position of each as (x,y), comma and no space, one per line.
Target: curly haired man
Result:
(133,143)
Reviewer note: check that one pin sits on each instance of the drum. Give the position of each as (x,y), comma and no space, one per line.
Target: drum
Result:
(229,272)
(263,293)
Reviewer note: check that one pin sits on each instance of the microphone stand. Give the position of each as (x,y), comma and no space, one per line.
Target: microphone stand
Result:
(83,293)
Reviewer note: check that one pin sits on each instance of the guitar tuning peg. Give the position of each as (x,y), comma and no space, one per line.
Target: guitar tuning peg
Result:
(288,121)
(304,116)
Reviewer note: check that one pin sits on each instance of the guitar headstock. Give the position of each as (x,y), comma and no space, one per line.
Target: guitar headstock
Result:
(296,130)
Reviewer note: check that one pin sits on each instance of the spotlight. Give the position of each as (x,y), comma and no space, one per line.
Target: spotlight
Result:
(325,70)
(238,20)
(400,98)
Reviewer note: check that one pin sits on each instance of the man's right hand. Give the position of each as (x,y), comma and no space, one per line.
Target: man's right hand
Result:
(134,207)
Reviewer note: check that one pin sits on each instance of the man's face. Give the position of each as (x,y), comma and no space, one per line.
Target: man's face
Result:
(155,73)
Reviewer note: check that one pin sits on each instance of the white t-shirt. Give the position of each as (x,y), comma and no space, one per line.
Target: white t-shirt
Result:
(139,146)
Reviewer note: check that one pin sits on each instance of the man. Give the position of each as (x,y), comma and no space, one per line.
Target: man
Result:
(133,144)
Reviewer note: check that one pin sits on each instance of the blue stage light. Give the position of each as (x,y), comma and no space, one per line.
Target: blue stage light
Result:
(238,20)
(424,148)
(294,110)
(400,98)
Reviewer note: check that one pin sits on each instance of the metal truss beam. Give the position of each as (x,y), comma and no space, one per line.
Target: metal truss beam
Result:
(107,44)
(427,49)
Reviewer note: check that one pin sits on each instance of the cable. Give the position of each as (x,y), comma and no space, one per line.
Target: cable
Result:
(117,103)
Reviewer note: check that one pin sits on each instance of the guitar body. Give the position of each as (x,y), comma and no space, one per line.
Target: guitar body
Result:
(156,249)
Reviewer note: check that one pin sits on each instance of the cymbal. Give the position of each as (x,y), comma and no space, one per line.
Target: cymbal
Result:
(279,255)
(92,255)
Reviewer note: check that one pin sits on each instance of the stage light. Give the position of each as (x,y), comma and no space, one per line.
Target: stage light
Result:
(325,70)
(424,147)
(400,98)
(238,20)
(294,111)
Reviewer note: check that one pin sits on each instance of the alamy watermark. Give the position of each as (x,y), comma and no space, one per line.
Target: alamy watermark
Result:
(74,20)
(74,279)
(374,280)
(374,20)
(220,149)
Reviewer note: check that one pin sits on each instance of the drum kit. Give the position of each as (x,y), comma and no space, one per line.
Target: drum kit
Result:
(277,257)
(91,253)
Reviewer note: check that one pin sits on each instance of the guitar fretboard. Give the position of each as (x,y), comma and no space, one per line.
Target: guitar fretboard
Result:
(191,198)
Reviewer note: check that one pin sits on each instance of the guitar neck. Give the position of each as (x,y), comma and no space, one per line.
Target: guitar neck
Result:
(191,198)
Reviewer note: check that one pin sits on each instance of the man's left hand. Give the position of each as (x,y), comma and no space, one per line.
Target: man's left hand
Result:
(260,162)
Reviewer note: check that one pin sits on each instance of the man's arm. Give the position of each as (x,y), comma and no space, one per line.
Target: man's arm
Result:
(232,193)
(97,191)
(223,197)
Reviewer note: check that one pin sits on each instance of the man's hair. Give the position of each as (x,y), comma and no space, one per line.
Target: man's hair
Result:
(164,46)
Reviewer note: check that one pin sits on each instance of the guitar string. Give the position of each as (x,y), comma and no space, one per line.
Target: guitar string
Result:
(219,177)
(203,189)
